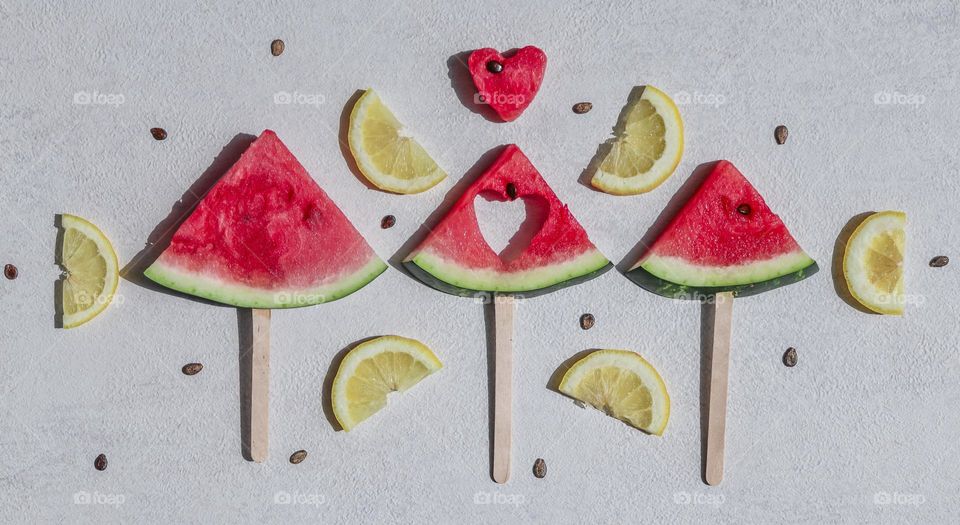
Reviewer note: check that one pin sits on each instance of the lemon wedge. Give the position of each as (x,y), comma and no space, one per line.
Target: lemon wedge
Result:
(91,272)
(873,262)
(374,369)
(623,385)
(385,153)
(647,145)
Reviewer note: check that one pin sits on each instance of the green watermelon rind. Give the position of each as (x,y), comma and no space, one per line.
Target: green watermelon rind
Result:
(455,279)
(663,276)
(221,291)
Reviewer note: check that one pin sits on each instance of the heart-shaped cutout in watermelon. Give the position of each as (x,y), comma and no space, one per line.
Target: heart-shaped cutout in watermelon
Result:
(509,225)
(455,258)
(724,239)
(266,236)
(507,83)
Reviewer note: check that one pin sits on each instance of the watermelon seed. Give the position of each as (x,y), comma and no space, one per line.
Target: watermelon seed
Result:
(100,463)
(494,67)
(511,191)
(276,47)
(158,133)
(744,209)
(297,457)
(587,321)
(540,468)
(192,369)
(790,357)
(582,107)
(388,221)
(937,262)
(780,133)
(10,271)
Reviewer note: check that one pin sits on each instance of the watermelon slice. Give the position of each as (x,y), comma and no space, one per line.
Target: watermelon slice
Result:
(724,239)
(507,84)
(456,259)
(266,236)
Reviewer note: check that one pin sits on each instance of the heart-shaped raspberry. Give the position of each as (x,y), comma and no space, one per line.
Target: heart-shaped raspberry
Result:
(507,84)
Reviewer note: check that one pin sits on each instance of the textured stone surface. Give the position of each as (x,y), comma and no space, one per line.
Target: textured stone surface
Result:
(869,413)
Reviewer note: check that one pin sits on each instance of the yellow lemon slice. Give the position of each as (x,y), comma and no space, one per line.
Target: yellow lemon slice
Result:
(623,385)
(873,262)
(374,369)
(91,272)
(385,153)
(647,145)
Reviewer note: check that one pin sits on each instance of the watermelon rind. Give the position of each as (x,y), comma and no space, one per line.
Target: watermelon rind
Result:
(675,278)
(450,277)
(222,291)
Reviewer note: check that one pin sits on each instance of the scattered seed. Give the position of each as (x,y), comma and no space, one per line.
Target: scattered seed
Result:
(582,107)
(790,357)
(388,221)
(744,209)
(937,262)
(100,463)
(192,369)
(511,191)
(276,47)
(297,457)
(10,271)
(540,468)
(579,403)
(158,133)
(494,67)
(587,321)
(780,133)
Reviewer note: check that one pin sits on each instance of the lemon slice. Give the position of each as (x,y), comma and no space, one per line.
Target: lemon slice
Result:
(623,385)
(90,271)
(374,369)
(873,262)
(647,145)
(386,154)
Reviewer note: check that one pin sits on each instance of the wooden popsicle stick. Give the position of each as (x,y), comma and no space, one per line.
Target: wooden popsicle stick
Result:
(503,308)
(719,365)
(260,386)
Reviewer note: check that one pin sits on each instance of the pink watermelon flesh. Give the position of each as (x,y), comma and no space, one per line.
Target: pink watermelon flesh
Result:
(725,238)
(511,90)
(457,259)
(266,236)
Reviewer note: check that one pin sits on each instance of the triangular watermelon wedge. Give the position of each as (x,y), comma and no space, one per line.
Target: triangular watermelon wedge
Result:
(266,236)
(724,239)
(455,258)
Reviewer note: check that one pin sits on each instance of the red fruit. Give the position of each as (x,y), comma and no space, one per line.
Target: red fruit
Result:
(456,259)
(510,86)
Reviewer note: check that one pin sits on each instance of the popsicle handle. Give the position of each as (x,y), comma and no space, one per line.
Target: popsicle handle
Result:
(503,308)
(719,365)
(260,386)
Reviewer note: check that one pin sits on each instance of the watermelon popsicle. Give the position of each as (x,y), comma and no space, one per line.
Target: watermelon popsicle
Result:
(455,258)
(265,236)
(724,242)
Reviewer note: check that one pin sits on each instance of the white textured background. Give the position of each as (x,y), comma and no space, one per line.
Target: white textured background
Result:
(869,414)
